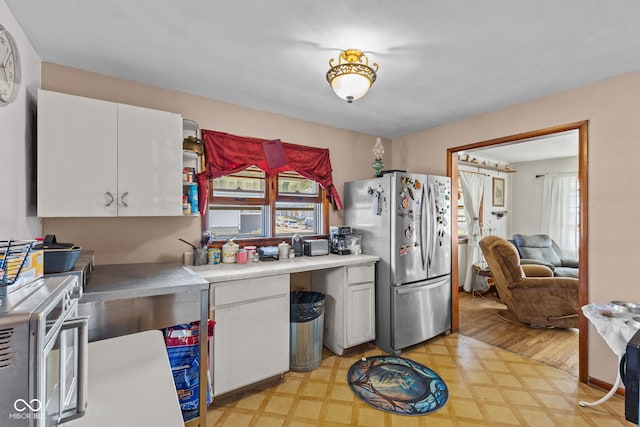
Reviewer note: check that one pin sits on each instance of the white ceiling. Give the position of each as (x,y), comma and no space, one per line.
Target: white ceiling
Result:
(440,61)
(554,146)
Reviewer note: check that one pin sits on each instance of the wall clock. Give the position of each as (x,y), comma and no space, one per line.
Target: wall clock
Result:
(9,68)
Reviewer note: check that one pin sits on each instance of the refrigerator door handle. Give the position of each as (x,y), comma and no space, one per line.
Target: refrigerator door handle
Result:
(417,287)
(423,231)
(432,224)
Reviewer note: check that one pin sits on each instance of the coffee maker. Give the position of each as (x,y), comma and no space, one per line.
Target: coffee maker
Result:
(340,238)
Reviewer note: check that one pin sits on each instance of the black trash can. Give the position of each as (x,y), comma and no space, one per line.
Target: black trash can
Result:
(306,330)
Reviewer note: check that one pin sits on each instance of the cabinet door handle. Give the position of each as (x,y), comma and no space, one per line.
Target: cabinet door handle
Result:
(110,198)
(123,202)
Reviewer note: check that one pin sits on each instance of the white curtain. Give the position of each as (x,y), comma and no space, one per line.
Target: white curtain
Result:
(560,211)
(472,191)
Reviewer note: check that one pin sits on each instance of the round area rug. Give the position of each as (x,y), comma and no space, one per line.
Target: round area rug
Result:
(397,385)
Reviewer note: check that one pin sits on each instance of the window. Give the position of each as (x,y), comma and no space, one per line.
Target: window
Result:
(249,204)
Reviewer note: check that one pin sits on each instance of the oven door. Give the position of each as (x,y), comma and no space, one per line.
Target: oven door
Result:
(65,372)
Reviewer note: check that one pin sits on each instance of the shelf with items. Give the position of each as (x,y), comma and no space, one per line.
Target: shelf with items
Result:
(497,168)
(189,190)
(193,163)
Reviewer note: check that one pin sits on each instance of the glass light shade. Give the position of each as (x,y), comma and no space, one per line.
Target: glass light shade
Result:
(352,77)
(350,86)
(378,149)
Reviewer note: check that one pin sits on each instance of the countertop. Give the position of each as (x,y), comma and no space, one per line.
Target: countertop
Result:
(119,281)
(226,272)
(130,384)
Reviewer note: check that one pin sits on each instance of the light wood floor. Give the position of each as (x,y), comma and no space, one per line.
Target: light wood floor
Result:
(488,386)
(554,347)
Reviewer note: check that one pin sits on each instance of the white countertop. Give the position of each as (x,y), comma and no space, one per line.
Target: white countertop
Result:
(226,272)
(130,384)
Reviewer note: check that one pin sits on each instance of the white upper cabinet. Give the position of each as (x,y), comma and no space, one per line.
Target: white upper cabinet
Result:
(98,158)
(149,162)
(77,156)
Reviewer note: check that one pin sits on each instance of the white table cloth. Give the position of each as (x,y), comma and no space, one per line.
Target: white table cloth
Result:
(614,326)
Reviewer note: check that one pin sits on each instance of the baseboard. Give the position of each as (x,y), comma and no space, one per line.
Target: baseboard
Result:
(604,386)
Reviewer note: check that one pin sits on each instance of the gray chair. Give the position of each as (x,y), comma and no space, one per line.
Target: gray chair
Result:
(541,249)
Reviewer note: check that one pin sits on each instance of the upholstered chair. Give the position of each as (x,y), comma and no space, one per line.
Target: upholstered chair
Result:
(541,249)
(532,296)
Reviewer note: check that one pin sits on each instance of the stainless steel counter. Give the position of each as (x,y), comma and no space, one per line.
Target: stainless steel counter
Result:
(122,299)
(118,281)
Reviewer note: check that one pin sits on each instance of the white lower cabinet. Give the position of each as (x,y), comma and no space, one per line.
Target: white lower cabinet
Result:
(251,338)
(360,314)
(349,317)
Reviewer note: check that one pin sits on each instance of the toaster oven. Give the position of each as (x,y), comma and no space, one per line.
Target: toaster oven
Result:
(43,352)
(315,247)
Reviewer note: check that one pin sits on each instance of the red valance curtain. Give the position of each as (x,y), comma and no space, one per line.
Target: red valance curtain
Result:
(226,154)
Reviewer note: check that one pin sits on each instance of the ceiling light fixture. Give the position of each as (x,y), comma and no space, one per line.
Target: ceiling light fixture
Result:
(352,77)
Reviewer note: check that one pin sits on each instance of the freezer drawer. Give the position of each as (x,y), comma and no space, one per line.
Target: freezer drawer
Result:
(421,311)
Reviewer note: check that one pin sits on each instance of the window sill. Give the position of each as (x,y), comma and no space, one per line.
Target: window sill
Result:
(266,241)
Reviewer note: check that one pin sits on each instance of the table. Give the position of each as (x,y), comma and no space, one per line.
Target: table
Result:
(616,332)
(478,271)
(130,383)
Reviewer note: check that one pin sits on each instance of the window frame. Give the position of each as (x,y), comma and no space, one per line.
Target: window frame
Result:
(271,197)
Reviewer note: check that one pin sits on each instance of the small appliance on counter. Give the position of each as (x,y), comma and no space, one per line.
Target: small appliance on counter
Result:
(283,250)
(316,247)
(297,245)
(268,253)
(340,238)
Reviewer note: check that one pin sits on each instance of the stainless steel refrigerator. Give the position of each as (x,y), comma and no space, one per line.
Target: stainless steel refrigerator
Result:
(405,219)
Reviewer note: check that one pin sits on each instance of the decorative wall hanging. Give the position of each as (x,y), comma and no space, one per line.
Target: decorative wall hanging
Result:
(498,192)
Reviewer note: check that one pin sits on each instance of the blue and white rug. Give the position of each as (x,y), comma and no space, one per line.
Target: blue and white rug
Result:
(397,385)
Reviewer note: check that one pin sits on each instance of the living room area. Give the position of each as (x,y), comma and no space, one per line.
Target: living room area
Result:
(526,191)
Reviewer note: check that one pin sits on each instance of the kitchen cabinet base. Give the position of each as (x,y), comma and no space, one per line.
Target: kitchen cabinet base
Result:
(349,306)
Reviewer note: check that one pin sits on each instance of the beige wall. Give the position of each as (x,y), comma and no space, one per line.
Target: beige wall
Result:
(612,109)
(129,240)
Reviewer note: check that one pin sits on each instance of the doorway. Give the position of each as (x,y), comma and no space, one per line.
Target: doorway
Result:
(452,171)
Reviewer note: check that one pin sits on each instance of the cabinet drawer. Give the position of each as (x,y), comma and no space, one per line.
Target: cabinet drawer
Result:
(248,289)
(360,274)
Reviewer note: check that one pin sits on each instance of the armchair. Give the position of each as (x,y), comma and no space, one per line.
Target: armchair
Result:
(530,299)
(541,249)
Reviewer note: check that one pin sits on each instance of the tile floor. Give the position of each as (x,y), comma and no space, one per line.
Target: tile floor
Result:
(488,386)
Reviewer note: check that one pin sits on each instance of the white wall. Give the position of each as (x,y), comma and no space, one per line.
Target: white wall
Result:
(526,194)
(17,141)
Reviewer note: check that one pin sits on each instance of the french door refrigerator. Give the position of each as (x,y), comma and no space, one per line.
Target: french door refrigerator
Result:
(405,219)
